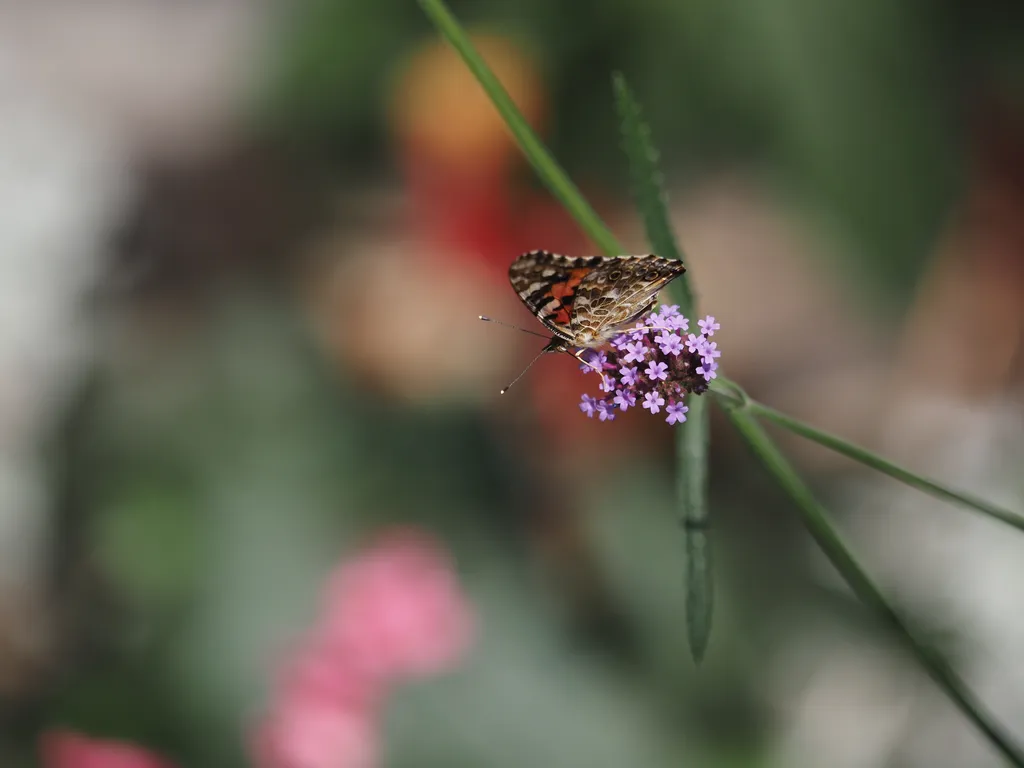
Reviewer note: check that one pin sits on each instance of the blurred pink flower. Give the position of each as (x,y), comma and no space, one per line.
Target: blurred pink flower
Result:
(394,611)
(65,749)
(309,730)
(314,669)
(397,610)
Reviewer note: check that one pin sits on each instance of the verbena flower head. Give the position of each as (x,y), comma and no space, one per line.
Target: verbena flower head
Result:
(653,365)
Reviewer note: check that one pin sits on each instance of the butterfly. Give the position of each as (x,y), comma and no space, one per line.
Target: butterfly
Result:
(584,301)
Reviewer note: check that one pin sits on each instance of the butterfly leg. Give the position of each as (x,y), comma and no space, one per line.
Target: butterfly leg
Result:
(578,354)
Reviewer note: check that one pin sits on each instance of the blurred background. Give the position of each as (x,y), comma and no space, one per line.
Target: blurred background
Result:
(243,247)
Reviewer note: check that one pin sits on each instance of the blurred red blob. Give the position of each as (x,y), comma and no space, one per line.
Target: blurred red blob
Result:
(461,165)
(392,613)
(66,749)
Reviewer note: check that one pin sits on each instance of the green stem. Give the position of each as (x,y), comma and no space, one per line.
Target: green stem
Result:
(815,519)
(547,168)
(692,481)
(692,438)
(738,398)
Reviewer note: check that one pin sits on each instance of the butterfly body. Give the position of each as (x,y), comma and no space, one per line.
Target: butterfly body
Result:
(586,300)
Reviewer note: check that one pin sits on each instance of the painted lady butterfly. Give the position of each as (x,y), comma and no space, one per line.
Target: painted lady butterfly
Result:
(584,301)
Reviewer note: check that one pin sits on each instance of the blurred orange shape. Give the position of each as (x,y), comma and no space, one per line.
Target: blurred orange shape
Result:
(439,109)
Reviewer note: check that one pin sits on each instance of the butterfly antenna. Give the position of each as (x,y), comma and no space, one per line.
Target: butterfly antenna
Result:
(509,325)
(517,378)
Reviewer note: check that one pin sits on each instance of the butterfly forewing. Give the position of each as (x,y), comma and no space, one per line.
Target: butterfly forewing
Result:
(583,299)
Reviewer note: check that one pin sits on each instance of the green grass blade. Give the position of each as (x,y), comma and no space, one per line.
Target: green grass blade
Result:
(815,519)
(692,441)
(547,168)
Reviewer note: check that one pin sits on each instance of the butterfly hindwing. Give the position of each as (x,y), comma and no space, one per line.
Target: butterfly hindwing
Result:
(620,291)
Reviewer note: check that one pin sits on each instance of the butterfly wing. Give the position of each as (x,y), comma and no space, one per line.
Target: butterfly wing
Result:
(547,282)
(618,291)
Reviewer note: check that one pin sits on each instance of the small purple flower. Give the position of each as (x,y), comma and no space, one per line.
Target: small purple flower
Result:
(653,402)
(708,370)
(587,405)
(657,371)
(670,343)
(676,413)
(620,342)
(695,343)
(593,360)
(624,399)
(646,363)
(708,326)
(636,352)
(678,323)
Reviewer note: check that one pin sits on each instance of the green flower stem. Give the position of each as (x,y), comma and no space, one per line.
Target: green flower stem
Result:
(692,436)
(731,392)
(815,519)
(547,168)
(692,479)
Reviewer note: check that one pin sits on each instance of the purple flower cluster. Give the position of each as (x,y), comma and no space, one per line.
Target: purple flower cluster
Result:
(655,364)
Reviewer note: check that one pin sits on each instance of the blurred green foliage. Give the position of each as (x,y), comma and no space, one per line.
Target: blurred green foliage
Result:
(231,470)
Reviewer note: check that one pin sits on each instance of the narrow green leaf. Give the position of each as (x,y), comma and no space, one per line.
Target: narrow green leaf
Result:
(547,168)
(692,452)
(815,519)
(648,187)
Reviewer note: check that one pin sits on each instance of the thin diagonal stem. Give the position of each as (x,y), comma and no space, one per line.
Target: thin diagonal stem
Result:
(536,153)
(738,398)
(815,519)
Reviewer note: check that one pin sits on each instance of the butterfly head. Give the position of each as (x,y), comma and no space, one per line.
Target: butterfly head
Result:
(557,345)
